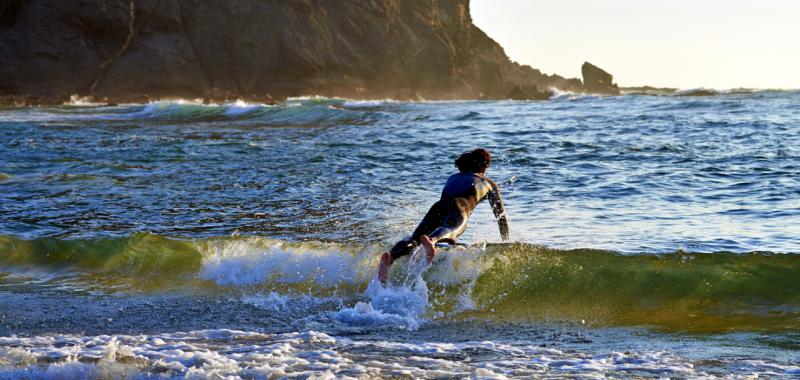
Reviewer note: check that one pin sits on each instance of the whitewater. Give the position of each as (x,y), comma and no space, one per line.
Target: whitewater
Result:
(651,237)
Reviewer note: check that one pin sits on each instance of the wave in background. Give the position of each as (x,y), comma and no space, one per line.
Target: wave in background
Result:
(308,110)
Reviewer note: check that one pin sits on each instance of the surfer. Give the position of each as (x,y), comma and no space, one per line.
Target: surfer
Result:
(447,218)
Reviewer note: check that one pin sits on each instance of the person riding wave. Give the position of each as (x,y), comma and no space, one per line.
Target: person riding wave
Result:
(447,218)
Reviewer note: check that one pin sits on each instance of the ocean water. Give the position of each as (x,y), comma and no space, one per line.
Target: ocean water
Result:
(651,237)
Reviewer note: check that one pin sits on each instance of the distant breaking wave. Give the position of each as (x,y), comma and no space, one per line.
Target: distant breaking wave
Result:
(683,291)
(300,111)
(312,111)
(308,112)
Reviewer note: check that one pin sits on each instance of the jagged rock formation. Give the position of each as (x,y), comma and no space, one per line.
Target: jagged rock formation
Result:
(597,80)
(132,50)
(527,93)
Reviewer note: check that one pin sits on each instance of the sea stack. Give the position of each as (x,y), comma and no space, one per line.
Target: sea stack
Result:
(598,81)
(137,50)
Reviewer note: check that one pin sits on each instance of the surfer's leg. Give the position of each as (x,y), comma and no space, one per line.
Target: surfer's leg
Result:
(383,267)
(453,226)
(404,247)
(429,224)
(432,220)
(400,249)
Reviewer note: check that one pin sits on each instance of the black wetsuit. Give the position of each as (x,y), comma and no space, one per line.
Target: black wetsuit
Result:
(447,218)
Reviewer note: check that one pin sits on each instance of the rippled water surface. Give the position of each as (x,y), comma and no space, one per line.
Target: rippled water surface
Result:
(629,174)
(652,236)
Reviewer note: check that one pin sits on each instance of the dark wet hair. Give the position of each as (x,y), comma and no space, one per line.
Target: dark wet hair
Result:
(474,161)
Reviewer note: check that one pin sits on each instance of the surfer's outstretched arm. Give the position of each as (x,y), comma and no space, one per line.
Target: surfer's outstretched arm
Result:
(499,211)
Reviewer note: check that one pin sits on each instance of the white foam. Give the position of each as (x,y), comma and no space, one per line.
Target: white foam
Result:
(272,301)
(368,103)
(365,314)
(76,100)
(250,261)
(240,108)
(285,302)
(227,353)
(309,97)
(568,95)
(562,93)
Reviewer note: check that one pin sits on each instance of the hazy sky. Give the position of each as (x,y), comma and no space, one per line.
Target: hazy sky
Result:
(668,43)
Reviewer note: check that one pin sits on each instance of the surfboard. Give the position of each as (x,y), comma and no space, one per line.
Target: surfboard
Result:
(446,245)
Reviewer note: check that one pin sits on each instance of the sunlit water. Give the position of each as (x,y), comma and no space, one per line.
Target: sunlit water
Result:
(653,236)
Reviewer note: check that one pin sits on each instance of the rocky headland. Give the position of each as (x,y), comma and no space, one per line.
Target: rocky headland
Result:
(263,50)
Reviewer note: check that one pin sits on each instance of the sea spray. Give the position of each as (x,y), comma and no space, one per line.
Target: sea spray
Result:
(401,304)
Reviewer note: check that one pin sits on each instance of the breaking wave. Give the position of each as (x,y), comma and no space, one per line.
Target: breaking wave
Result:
(311,111)
(683,291)
(298,112)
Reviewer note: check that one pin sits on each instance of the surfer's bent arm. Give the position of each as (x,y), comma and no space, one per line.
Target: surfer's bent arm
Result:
(499,211)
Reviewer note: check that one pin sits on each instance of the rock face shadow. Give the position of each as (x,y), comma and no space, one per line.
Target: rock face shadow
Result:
(136,50)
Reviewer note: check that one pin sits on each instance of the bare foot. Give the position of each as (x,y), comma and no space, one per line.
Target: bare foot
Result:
(383,268)
(430,248)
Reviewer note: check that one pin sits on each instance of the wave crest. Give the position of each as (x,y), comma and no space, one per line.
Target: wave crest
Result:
(691,291)
(311,111)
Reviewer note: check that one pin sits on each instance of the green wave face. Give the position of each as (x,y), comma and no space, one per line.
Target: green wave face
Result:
(695,292)
(701,292)
(142,261)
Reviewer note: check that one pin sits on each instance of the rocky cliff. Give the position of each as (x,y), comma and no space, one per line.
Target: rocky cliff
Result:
(133,50)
